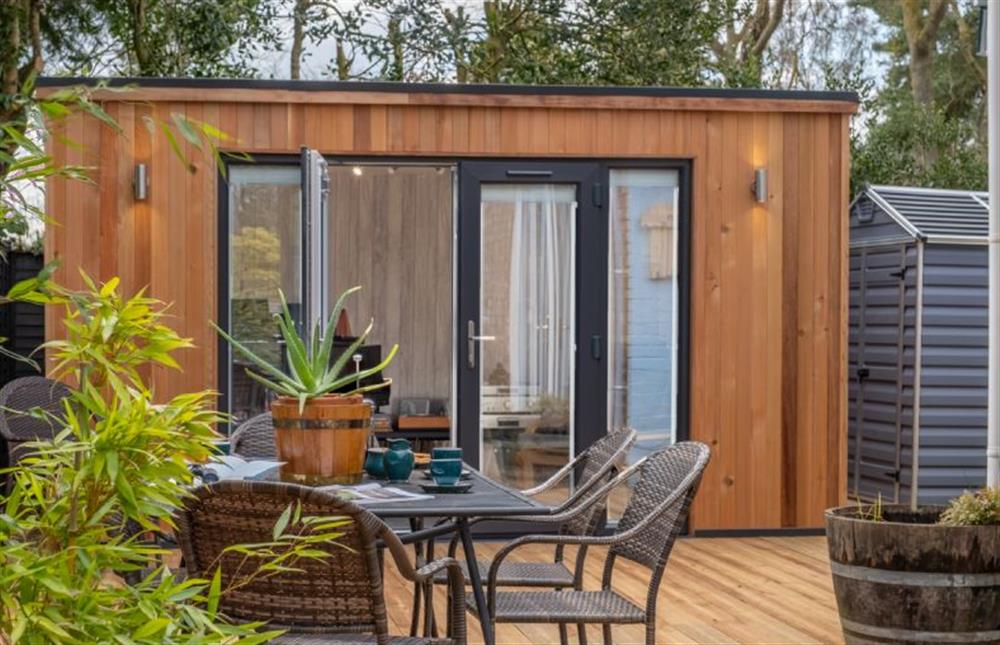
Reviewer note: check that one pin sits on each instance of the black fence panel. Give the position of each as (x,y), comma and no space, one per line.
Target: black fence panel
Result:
(23,325)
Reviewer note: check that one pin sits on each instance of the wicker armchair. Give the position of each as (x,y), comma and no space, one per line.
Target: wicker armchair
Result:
(254,438)
(646,533)
(19,397)
(582,513)
(596,466)
(331,600)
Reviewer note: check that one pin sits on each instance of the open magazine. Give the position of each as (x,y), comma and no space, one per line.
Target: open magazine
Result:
(233,467)
(373,493)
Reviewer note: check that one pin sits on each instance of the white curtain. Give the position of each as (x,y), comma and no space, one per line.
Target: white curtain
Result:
(541,285)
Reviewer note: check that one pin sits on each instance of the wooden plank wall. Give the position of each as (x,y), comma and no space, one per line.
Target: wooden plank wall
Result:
(392,234)
(768,297)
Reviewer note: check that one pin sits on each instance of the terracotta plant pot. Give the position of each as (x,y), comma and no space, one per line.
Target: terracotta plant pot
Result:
(326,442)
(906,579)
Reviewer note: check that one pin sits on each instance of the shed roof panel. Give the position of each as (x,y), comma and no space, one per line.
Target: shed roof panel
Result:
(934,212)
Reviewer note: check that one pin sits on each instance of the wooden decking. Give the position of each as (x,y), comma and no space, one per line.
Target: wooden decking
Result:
(716,590)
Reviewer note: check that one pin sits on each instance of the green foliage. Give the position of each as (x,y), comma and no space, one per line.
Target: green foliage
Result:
(25,164)
(872,512)
(917,146)
(311,372)
(119,462)
(936,143)
(557,42)
(981,508)
(208,38)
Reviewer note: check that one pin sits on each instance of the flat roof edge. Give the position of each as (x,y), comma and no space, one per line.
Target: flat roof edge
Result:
(451,88)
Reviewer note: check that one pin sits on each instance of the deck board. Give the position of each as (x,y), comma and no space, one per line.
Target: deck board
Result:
(716,590)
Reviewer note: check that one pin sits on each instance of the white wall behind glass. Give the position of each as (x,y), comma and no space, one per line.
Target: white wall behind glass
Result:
(643,304)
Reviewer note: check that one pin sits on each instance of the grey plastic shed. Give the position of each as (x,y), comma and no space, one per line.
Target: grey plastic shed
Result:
(917,346)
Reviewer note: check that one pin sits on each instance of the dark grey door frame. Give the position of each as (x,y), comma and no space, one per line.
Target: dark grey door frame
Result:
(590,412)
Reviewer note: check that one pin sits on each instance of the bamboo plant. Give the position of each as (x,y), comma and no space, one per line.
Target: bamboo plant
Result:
(311,371)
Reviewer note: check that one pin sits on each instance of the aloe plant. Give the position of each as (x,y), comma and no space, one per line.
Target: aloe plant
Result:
(311,372)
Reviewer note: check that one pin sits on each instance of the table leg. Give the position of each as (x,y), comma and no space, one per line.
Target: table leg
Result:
(418,550)
(477,583)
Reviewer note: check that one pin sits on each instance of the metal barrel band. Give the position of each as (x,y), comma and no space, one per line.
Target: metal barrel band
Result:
(919,636)
(916,578)
(321,424)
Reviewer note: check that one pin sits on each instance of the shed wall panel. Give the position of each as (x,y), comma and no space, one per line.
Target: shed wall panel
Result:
(882,360)
(953,382)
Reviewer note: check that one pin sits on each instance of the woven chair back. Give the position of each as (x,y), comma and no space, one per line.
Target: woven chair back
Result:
(341,592)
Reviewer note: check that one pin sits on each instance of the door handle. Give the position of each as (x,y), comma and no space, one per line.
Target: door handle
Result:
(472,339)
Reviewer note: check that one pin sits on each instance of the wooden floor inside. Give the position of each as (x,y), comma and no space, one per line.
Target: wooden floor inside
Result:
(716,590)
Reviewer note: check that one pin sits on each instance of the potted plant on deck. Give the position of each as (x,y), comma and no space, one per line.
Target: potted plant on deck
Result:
(320,432)
(930,574)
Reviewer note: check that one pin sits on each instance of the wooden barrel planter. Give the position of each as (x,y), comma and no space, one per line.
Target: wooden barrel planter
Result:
(906,579)
(325,443)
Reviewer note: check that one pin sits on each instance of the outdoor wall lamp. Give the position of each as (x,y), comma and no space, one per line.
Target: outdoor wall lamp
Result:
(759,186)
(140,182)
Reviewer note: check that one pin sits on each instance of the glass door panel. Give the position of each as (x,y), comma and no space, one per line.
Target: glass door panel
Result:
(643,310)
(265,254)
(532,315)
(527,330)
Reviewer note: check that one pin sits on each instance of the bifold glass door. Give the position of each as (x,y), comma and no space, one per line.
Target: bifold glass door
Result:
(276,219)
(522,286)
(265,255)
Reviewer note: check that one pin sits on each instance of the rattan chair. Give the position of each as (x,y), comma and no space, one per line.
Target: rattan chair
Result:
(595,466)
(582,513)
(18,426)
(335,599)
(254,438)
(646,532)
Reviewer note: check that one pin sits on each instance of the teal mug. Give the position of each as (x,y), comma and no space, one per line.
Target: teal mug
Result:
(446,472)
(446,453)
(375,463)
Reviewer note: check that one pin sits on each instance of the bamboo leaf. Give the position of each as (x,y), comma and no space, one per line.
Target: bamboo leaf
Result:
(214,593)
(282,523)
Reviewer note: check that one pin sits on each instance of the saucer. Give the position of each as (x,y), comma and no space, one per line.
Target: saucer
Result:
(465,474)
(454,488)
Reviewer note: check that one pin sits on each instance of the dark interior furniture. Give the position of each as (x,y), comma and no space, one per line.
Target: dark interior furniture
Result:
(334,599)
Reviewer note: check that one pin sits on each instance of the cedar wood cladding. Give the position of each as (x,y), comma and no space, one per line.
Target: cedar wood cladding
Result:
(768,281)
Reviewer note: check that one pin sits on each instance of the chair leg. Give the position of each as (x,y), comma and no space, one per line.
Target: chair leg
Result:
(430,620)
(418,552)
(606,628)
(581,633)
(563,634)
(415,615)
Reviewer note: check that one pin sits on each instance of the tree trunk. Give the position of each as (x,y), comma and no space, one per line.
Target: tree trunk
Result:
(921,36)
(921,39)
(20,30)
(298,38)
(140,53)
(343,63)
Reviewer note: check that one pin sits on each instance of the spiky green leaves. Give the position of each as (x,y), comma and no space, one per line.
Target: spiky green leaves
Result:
(312,369)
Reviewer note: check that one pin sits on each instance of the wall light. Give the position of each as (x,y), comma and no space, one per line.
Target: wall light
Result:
(140,182)
(759,186)
(356,170)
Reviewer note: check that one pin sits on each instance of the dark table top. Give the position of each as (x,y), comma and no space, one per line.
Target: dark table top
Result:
(485,498)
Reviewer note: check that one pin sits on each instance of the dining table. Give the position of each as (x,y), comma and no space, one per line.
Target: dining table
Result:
(447,514)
